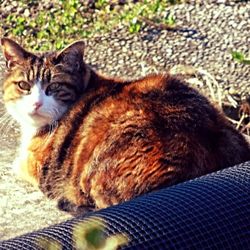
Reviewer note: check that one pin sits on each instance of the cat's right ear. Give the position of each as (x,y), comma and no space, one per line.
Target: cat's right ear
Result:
(14,54)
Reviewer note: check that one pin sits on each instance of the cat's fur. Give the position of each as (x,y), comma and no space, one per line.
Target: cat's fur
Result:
(91,141)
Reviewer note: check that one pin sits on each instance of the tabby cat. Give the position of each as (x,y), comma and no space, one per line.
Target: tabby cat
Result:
(91,141)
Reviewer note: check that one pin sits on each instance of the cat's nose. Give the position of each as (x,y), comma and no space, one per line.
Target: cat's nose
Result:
(37,105)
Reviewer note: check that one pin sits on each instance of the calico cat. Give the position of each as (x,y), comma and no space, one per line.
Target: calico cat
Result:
(91,141)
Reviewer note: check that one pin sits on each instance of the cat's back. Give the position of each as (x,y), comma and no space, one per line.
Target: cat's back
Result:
(151,88)
(162,102)
(152,98)
(163,110)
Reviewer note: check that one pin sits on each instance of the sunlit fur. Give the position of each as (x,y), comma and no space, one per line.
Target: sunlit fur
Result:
(98,141)
(24,112)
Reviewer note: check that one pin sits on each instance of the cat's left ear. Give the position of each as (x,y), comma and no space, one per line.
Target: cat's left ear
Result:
(14,54)
(72,55)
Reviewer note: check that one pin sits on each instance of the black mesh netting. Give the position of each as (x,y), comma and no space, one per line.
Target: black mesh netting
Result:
(211,212)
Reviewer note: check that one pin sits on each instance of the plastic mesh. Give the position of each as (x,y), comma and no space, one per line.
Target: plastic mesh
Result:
(210,212)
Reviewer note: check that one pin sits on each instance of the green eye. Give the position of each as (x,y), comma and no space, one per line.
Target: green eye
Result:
(53,87)
(24,86)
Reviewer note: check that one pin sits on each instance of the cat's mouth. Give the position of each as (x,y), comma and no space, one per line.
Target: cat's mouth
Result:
(35,113)
(38,113)
(39,120)
(39,117)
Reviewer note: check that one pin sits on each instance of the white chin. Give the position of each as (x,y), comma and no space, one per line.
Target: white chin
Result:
(33,121)
(38,121)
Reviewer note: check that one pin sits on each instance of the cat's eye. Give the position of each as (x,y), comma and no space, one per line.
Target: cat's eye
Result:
(24,86)
(52,87)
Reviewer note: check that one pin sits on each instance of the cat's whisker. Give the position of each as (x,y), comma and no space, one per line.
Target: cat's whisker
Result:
(52,127)
(56,111)
(48,135)
(4,116)
(6,128)
(45,140)
(3,124)
(6,122)
(9,125)
(55,125)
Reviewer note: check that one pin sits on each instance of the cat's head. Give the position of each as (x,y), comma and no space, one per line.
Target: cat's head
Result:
(39,88)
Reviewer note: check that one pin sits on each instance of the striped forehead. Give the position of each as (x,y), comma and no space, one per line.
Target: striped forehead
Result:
(39,72)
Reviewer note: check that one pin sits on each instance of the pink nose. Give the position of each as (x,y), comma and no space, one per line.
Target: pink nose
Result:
(37,105)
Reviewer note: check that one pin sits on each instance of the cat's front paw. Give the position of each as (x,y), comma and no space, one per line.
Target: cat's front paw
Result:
(75,210)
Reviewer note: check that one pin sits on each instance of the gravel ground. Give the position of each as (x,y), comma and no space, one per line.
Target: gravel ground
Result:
(207,32)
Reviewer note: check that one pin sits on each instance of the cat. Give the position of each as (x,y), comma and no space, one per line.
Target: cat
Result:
(91,141)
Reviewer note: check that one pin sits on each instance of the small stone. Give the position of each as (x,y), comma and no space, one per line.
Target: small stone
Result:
(26,13)
(232,91)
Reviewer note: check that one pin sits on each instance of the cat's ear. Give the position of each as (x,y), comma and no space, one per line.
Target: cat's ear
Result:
(72,55)
(14,54)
